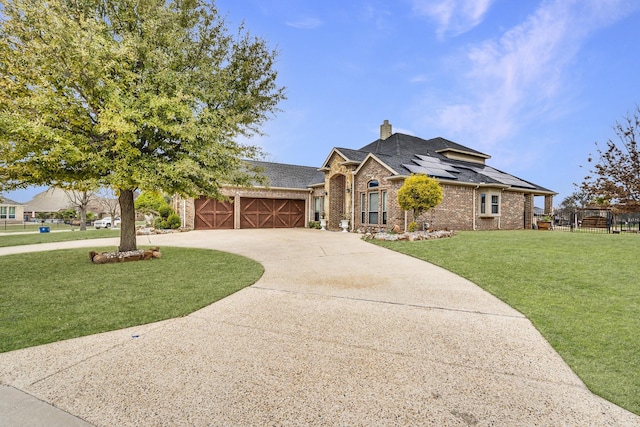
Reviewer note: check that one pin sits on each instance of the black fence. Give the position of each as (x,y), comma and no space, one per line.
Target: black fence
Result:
(596,221)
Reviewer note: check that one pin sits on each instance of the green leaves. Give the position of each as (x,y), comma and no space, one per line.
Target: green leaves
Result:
(142,94)
(419,193)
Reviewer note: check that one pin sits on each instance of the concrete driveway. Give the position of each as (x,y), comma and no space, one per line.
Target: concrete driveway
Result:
(336,332)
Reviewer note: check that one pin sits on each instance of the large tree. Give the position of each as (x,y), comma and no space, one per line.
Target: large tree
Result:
(129,94)
(615,177)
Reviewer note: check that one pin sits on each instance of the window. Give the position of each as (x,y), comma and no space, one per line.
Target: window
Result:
(318,208)
(489,204)
(8,212)
(373,208)
(495,203)
(363,208)
(384,207)
(373,184)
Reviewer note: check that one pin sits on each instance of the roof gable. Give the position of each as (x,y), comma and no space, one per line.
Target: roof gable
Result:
(374,158)
(348,156)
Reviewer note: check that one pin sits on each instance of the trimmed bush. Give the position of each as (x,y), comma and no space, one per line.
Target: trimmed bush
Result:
(173,221)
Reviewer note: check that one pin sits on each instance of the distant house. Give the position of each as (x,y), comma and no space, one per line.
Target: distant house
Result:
(10,211)
(55,200)
(362,185)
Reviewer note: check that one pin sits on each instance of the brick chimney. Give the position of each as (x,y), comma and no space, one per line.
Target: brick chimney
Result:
(385,130)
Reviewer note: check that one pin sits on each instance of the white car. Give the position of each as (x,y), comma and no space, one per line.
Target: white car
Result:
(106,222)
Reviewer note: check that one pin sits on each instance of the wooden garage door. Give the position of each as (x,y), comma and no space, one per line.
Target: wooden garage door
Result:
(271,213)
(213,214)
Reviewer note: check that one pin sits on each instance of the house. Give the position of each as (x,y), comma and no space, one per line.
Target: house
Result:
(54,200)
(362,185)
(10,212)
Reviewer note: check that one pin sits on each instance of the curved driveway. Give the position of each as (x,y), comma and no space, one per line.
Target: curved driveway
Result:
(336,332)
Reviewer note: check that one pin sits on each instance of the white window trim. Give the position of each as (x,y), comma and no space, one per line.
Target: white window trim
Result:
(488,204)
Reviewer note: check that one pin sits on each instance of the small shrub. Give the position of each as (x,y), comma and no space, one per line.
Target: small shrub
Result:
(413,226)
(165,211)
(314,224)
(173,221)
(160,223)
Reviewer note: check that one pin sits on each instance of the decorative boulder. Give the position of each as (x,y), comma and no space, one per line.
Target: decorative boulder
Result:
(138,255)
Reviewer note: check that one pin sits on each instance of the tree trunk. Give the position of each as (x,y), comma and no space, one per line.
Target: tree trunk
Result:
(83,218)
(128,225)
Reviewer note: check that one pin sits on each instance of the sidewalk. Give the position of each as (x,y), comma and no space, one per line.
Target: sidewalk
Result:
(336,332)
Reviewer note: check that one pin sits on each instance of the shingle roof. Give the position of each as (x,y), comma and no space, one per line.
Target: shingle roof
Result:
(402,153)
(50,200)
(5,201)
(400,144)
(353,155)
(280,175)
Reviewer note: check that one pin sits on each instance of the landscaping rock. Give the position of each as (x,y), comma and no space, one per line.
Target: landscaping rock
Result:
(138,255)
(413,236)
(144,231)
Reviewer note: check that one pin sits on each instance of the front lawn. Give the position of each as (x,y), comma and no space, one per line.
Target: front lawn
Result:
(16,239)
(582,291)
(52,296)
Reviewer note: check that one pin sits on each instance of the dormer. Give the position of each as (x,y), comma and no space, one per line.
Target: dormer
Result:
(465,156)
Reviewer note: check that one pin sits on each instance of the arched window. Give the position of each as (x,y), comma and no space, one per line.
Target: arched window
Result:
(373,184)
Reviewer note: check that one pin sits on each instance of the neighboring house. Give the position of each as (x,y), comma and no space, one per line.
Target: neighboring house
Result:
(55,200)
(361,185)
(10,212)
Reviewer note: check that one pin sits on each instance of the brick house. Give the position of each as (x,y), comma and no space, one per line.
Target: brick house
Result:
(361,185)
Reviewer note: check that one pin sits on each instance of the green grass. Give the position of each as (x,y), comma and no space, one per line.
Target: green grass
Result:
(52,296)
(582,292)
(32,239)
(32,226)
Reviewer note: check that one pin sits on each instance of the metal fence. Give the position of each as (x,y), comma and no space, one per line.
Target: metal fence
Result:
(596,221)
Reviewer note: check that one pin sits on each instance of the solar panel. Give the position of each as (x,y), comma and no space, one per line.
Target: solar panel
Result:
(435,162)
(502,177)
(428,170)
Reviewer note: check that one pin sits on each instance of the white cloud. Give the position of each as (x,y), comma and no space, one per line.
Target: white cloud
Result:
(419,78)
(453,17)
(308,23)
(525,73)
(380,17)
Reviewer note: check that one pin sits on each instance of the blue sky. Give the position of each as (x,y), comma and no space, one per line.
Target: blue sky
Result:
(532,83)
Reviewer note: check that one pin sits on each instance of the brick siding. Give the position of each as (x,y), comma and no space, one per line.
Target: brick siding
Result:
(372,170)
(337,201)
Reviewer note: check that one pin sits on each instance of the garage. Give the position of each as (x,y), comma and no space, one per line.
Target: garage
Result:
(213,214)
(283,203)
(271,213)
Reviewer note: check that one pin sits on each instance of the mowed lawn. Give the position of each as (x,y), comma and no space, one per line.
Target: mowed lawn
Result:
(52,296)
(17,239)
(582,292)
